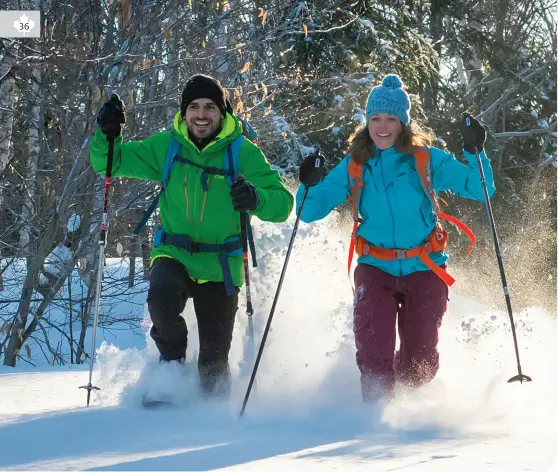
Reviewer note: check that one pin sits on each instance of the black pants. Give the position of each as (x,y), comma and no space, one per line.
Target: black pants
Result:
(169,289)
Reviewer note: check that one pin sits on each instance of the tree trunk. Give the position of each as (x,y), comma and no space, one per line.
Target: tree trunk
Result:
(495,89)
(7,88)
(132,271)
(430,100)
(29,208)
(145,255)
(223,39)
(81,343)
(7,85)
(20,321)
(473,66)
(18,326)
(85,314)
(71,302)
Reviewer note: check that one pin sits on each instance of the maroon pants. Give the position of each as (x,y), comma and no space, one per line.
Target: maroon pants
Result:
(415,304)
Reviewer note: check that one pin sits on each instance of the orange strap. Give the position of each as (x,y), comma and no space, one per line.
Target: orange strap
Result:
(364,248)
(428,262)
(352,247)
(355,176)
(463,227)
(352,250)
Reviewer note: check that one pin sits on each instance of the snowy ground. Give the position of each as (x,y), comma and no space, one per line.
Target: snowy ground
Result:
(305,413)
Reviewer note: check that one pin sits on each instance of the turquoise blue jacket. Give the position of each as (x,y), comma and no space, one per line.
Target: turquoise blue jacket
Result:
(395,211)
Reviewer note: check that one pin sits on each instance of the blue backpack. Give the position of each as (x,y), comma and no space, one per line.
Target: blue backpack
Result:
(233,246)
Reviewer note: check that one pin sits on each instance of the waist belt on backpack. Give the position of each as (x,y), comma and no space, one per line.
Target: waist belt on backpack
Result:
(231,247)
(436,242)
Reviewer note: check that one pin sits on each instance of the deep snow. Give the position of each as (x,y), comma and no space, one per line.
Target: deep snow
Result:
(305,413)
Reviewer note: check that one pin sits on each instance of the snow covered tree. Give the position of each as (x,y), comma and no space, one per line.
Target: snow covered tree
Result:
(300,72)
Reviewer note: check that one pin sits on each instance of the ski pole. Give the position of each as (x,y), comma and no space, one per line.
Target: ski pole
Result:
(520,377)
(274,304)
(249,308)
(111,136)
(244,222)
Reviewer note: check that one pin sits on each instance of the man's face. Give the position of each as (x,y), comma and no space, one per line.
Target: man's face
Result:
(203,118)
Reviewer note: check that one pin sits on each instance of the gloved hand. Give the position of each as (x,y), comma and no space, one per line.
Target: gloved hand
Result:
(244,195)
(312,169)
(474,134)
(112,116)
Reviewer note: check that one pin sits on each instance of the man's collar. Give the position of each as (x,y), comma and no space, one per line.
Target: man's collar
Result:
(201,143)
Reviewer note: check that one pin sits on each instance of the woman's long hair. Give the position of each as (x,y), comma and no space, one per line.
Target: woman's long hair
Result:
(412,137)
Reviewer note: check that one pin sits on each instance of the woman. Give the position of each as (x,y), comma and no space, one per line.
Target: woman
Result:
(394,287)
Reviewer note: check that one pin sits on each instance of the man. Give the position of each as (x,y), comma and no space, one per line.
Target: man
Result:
(200,213)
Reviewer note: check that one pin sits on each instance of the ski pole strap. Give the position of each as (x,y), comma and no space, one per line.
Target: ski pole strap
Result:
(231,247)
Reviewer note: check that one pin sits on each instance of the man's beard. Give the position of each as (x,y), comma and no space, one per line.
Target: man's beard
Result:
(201,142)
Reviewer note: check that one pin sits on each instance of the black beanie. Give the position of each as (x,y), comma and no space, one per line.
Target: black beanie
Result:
(203,86)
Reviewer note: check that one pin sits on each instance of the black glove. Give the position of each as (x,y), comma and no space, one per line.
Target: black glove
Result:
(312,169)
(244,195)
(112,116)
(474,134)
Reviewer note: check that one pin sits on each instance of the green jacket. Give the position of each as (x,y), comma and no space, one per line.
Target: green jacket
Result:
(207,217)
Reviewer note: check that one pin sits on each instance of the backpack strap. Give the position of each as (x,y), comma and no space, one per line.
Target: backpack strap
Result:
(250,130)
(170,161)
(207,170)
(355,170)
(356,184)
(424,169)
(232,161)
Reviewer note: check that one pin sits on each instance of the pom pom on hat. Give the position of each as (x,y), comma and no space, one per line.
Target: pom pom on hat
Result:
(392,81)
(389,98)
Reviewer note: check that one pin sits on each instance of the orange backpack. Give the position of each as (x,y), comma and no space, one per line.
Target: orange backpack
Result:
(435,242)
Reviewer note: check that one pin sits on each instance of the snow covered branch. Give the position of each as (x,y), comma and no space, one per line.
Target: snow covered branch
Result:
(516,134)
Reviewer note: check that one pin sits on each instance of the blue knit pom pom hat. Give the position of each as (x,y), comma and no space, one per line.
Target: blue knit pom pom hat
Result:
(389,98)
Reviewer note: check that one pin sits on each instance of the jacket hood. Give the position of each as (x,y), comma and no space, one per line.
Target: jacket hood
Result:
(231,127)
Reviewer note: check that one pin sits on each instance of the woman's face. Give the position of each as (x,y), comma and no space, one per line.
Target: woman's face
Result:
(384,129)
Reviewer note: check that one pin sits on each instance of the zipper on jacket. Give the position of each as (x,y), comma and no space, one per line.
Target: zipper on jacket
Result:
(186,196)
(372,174)
(205,199)
(195,207)
(390,209)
